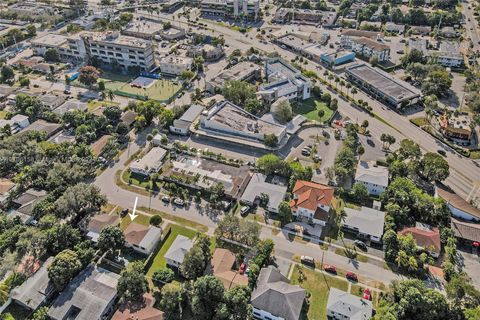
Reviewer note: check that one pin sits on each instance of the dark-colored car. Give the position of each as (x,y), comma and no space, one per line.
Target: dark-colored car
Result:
(442,152)
(351,276)
(362,245)
(124,212)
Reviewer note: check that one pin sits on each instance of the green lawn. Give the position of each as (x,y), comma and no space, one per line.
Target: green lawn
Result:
(135,179)
(475,155)
(318,285)
(159,260)
(161,90)
(310,107)
(421,121)
(141,219)
(357,290)
(94,104)
(3,113)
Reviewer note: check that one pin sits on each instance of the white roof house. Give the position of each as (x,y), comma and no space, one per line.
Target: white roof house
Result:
(149,163)
(365,221)
(258,184)
(343,305)
(374,177)
(176,253)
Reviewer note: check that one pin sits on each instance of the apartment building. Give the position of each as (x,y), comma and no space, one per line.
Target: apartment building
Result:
(231,9)
(175,65)
(107,47)
(369,48)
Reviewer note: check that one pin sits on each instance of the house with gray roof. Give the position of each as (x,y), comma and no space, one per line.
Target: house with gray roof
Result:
(372,176)
(346,306)
(366,222)
(275,298)
(181,126)
(260,183)
(90,295)
(176,253)
(36,290)
(23,205)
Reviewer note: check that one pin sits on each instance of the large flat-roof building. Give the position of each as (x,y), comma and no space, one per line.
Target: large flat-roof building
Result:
(231,9)
(283,80)
(243,71)
(174,65)
(106,46)
(143,28)
(394,92)
(228,119)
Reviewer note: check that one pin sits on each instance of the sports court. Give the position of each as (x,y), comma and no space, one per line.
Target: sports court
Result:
(156,89)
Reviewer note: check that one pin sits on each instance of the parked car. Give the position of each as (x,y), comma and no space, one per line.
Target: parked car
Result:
(442,152)
(166,199)
(329,268)
(179,202)
(242,268)
(244,210)
(362,245)
(307,260)
(124,212)
(67,91)
(351,276)
(306,152)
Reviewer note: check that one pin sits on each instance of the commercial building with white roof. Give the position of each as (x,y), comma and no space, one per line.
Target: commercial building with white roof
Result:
(149,163)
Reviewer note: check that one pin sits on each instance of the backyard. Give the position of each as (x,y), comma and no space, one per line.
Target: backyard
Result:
(310,107)
(159,260)
(135,179)
(318,285)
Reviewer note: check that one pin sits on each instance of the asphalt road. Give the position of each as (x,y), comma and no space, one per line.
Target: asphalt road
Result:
(284,247)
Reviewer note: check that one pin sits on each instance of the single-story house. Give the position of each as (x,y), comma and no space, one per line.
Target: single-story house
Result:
(426,237)
(90,295)
(261,184)
(458,206)
(52,101)
(36,290)
(141,238)
(346,306)
(24,204)
(143,310)
(367,222)
(221,267)
(312,202)
(149,163)
(98,146)
(98,222)
(128,117)
(275,298)
(69,106)
(372,176)
(176,253)
(181,126)
(49,128)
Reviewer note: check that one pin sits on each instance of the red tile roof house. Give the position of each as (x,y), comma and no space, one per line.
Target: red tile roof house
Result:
(312,202)
(427,238)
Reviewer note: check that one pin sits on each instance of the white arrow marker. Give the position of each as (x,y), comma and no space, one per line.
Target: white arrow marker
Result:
(133,215)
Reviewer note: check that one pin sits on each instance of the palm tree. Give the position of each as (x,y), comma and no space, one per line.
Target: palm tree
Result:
(337,80)
(103,95)
(348,86)
(342,84)
(354,92)
(4,291)
(330,77)
(401,259)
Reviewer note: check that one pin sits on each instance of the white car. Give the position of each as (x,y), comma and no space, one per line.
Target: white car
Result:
(244,210)
(179,202)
